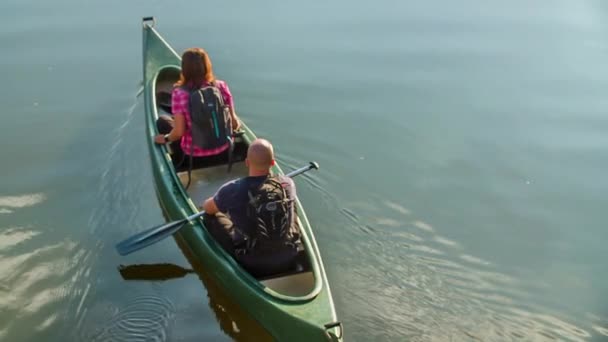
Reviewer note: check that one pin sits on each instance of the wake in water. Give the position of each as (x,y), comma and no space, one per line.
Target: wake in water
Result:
(121,191)
(118,303)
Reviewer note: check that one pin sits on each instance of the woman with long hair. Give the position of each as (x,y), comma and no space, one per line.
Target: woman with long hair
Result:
(196,72)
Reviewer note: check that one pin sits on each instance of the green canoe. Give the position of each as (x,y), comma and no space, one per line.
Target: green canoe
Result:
(294,306)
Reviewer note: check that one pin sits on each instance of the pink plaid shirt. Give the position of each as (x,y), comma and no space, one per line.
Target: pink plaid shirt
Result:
(179,106)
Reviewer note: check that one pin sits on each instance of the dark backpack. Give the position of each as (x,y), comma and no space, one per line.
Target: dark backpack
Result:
(271,214)
(211,126)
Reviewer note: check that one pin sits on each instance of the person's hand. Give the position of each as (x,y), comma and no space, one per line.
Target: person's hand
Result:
(236,124)
(159,139)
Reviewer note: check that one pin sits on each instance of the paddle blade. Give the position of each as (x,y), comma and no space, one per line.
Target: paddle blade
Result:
(149,237)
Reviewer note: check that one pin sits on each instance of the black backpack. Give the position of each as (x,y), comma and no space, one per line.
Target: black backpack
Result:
(271,214)
(211,126)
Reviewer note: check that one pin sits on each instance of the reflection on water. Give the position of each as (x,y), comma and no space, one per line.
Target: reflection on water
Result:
(232,319)
(157,272)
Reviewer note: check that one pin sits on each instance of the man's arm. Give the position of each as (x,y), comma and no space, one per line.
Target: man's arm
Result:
(210,207)
(220,202)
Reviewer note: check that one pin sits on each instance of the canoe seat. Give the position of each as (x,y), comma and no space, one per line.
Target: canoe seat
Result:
(295,285)
(163,101)
(206,181)
(239,154)
(301,265)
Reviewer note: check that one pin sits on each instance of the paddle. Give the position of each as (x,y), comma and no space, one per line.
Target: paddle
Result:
(158,233)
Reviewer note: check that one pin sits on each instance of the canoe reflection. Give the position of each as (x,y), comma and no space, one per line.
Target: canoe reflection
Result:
(233,320)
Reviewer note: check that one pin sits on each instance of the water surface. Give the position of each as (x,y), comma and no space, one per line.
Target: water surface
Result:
(461,193)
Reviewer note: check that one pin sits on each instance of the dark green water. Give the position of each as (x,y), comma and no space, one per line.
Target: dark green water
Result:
(462,194)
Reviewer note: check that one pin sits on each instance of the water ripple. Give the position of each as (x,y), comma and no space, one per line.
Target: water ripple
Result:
(601,330)
(145,318)
(426,287)
(397,207)
(311,179)
(122,192)
(35,281)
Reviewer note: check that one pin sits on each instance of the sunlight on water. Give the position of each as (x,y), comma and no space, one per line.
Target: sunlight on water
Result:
(601,330)
(40,299)
(397,207)
(21,201)
(36,281)
(47,323)
(17,264)
(473,259)
(387,222)
(14,236)
(445,241)
(423,226)
(425,249)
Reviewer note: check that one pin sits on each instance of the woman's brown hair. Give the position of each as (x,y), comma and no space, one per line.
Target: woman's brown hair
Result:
(196,68)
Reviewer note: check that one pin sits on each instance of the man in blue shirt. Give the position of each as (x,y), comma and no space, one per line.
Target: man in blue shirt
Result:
(262,244)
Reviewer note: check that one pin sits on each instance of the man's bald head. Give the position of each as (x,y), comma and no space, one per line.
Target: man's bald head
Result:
(260,155)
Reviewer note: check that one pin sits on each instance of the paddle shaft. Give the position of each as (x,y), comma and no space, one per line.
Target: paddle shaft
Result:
(310,166)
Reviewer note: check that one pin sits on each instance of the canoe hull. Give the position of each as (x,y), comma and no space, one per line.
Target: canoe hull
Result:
(285,318)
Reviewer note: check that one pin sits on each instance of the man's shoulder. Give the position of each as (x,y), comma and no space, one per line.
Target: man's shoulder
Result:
(233,184)
(257,180)
(228,191)
(287,184)
(285,181)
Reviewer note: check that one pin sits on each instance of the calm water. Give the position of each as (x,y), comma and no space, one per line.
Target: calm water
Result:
(462,194)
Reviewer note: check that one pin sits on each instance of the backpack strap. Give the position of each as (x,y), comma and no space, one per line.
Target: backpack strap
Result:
(229,138)
(190,91)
